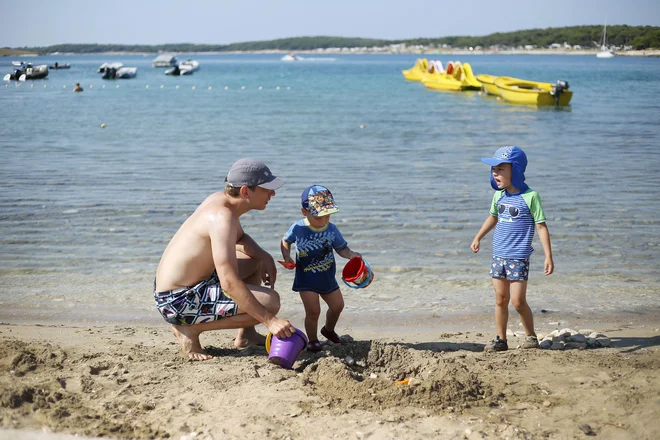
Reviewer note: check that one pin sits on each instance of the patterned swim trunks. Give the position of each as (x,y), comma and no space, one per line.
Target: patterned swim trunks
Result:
(204,302)
(510,269)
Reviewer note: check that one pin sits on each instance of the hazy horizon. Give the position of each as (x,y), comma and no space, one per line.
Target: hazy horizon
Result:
(149,22)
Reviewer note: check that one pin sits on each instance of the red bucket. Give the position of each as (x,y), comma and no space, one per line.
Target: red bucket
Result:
(357,272)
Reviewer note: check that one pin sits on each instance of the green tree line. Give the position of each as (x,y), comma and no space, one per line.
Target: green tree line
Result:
(638,37)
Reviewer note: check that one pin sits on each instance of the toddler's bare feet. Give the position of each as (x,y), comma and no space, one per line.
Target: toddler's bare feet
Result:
(190,344)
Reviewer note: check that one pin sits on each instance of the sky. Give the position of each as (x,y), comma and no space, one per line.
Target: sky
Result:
(47,22)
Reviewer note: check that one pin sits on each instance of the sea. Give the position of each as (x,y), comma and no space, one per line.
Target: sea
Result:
(94,184)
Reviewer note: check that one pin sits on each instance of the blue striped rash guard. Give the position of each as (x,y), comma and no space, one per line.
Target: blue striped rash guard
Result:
(517,215)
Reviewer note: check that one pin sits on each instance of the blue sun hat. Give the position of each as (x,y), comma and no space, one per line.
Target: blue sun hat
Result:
(518,160)
(318,200)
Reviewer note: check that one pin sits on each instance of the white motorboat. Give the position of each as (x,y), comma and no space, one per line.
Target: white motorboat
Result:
(164,61)
(179,71)
(291,57)
(27,71)
(121,73)
(105,66)
(189,64)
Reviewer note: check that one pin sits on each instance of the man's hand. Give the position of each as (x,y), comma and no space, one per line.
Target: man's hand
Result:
(280,327)
(268,271)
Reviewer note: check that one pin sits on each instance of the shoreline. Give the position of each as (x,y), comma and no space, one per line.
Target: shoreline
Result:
(648,53)
(130,381)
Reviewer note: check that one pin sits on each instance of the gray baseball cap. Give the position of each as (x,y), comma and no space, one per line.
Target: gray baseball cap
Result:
(252,172)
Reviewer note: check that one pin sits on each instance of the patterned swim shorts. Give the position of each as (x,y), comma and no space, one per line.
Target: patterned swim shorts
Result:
(204,302)
(510,269)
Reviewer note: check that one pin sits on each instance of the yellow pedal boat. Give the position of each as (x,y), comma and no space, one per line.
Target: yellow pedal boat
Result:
(520,91)
(455,78)
(417,72)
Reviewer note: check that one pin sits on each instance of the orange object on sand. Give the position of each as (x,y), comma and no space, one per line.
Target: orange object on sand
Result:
(403,382)
(287,265)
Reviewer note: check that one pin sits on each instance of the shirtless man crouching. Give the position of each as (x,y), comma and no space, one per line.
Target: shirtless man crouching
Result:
(209,277)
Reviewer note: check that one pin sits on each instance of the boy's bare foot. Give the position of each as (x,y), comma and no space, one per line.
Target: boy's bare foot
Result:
(190,343)
(248,336)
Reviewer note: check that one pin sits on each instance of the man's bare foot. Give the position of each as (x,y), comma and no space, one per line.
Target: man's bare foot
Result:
(190,343)
(248,336)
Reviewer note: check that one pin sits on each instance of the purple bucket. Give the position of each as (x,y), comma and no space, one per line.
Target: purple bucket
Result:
(285,351)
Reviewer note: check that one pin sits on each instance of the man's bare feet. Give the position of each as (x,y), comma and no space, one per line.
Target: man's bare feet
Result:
(190,344)
(248,336)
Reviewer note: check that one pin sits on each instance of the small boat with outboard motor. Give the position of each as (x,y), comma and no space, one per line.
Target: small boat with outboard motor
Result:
(27,71)
(192,65)
(114,65)
(121,73)
(179,71)
(520,91)
(58,66)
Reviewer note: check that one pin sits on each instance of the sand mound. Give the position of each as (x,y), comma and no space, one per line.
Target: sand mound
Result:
(369,382)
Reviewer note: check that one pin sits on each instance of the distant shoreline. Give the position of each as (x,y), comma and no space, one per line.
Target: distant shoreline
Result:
(630,53)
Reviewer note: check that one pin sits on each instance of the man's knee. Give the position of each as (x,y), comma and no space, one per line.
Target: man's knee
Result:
(272,302)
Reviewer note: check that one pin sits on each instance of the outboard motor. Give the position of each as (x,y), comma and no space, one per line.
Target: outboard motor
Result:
(558,89)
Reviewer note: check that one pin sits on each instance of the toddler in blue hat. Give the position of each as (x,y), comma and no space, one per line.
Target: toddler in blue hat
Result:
(316,239)
(514,213)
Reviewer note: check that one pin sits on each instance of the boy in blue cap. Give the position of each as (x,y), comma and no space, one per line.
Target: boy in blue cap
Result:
(315,238)
(514,211)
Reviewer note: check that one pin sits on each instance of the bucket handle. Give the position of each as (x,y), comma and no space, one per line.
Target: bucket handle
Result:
(364,283)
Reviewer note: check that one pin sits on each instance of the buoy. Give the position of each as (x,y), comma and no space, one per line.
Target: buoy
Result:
(193,87)
(91,86)
(260,87)
(162,86)
(64,86)
(104,86)
(226,87)
(277,88)
(210,87)
(102,125)
(243,88)
(147,86)
(362,126)
(117,85)
(499,99)
(177,87)
(479,93)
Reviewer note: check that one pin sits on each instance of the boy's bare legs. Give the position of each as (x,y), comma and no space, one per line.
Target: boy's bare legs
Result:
(519,301)
(249,270)
(312,313)
(335,302)
(502,296)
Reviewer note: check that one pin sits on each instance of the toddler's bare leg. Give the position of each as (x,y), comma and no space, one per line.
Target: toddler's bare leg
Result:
(519,301)
(335,302)
(502,296)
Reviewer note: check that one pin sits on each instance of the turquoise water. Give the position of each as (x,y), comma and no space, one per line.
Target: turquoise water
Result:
(86,212)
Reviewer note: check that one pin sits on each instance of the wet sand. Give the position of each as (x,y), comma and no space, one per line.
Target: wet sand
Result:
(132,382)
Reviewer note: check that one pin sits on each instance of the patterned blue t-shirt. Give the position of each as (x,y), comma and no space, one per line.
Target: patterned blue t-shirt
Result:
(517,215)
(315,259)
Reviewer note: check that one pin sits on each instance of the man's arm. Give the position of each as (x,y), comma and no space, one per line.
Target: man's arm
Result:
(223,229)
(544,236)
(246,245)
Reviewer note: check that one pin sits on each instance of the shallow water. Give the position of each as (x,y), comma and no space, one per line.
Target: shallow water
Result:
(86,212)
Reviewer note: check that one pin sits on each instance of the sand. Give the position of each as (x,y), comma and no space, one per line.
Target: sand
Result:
(132,382)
